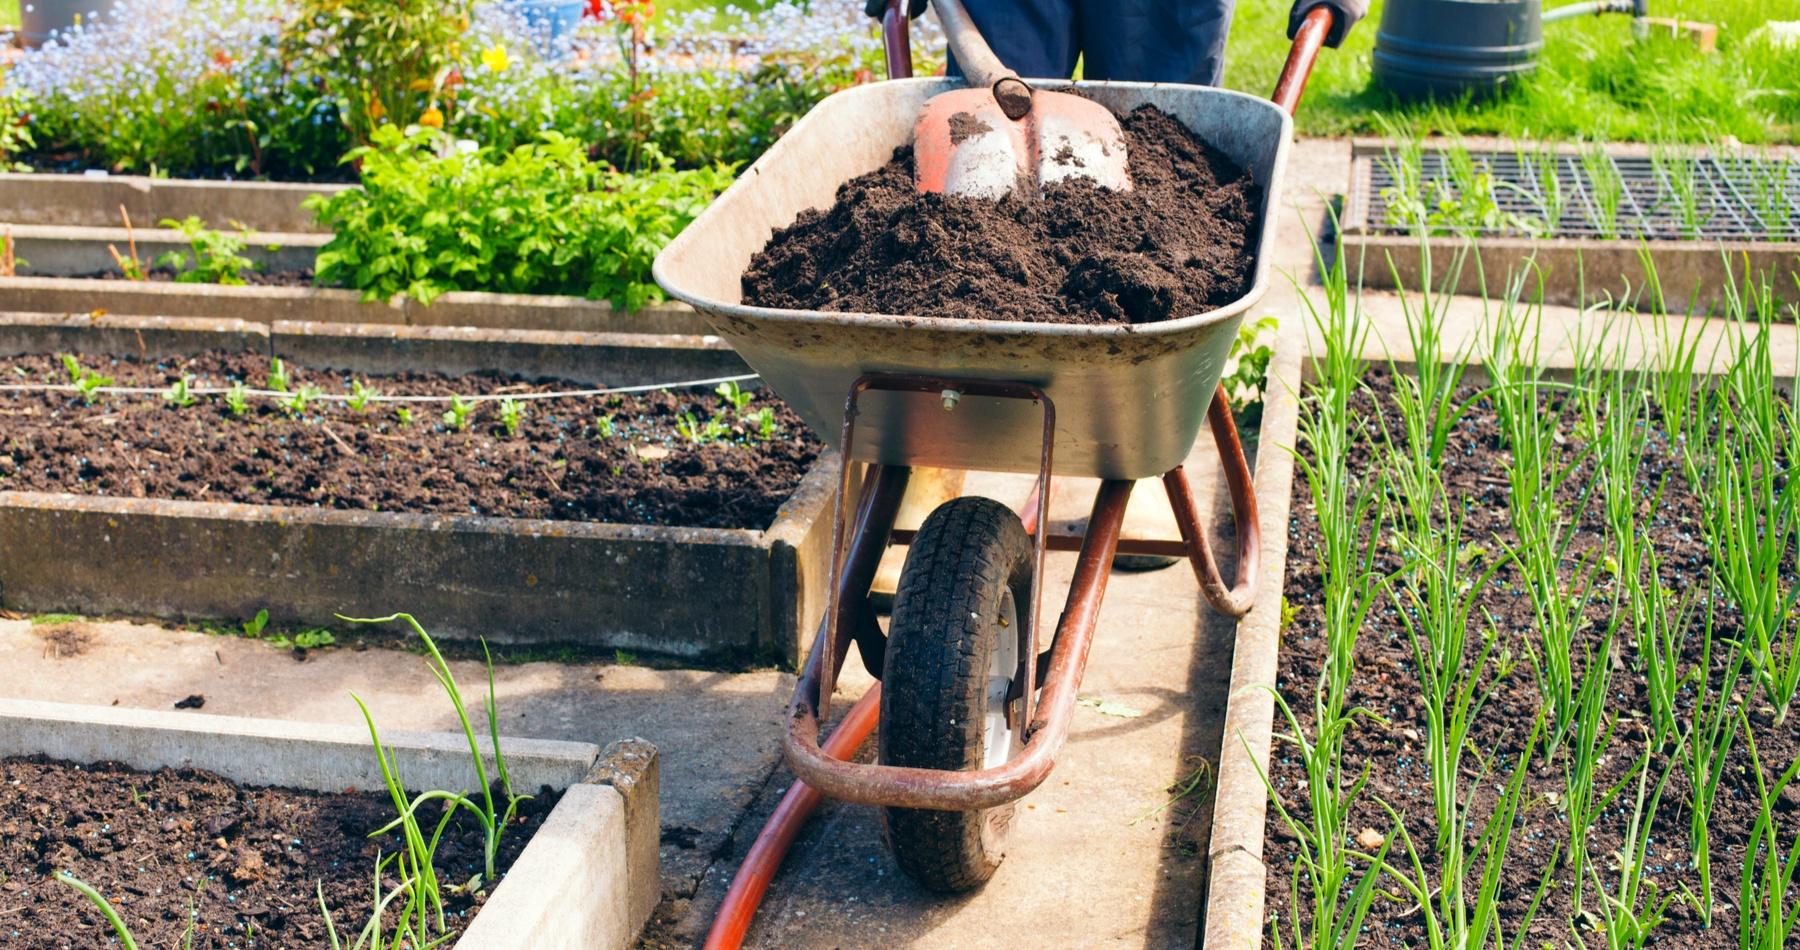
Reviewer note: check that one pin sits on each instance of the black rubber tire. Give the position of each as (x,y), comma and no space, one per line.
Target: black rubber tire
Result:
(966,557)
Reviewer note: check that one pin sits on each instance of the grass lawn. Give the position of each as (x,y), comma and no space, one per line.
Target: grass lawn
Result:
(1593,80)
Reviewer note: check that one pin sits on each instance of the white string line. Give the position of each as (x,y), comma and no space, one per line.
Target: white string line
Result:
(371,397)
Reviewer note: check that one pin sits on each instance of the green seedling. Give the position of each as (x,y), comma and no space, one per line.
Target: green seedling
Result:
(1768,909)
(605,428)
(700,433)
(300,398)
(1680,173)
(253,628)
(512,414)
(72,366)
(237,399)
(278,375)
(1247,365)
(217,256)
(360,396)
(1553,201)
(762,423)
(87,382)
(103,905)
(1605,190)
(735,396)
(1636,906)
(457,416)
(404,416)
(178,393)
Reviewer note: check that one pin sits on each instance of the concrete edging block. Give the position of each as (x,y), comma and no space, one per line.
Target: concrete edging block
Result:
(265,304)
(511,580)
(94,200)
(576,885)
(57,250)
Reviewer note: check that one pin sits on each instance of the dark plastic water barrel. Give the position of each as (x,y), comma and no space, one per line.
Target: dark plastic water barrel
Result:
(1446,49)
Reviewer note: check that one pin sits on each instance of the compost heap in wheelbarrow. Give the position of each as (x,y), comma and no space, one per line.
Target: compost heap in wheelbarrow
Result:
(1180,242)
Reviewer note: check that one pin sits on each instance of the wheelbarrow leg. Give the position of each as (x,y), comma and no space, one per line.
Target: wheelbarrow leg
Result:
(1233,601)
(856,554)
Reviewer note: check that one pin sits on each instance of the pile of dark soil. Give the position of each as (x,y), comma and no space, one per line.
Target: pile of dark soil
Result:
(1386,683)
(619,459)
(1180,242)
(245,860)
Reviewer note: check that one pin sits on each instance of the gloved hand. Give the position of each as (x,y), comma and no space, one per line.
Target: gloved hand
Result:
(876,8)
(1348,12)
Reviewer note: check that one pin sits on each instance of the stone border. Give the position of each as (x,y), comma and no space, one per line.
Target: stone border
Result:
(57,250)
(587,879)
(1233,902)
(94,200)
(263,304)
(1575,271)
(724,595)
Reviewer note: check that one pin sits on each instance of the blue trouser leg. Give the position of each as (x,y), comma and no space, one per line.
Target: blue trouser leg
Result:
(1142,40)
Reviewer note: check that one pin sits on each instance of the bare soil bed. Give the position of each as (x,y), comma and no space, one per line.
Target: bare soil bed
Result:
(618,458)
(1180,242)
(243,861)
(1386,684)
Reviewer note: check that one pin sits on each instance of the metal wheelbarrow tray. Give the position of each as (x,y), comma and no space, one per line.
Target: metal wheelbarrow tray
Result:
(894,391)
(1129,399)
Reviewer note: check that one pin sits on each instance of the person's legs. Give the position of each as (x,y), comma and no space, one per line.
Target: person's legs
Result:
(1035,38)
(1155,40)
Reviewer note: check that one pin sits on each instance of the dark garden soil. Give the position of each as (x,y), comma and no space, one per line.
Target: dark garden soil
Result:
(1180,242)
(560,464)
(246,861)
(1385,682)
(254,277)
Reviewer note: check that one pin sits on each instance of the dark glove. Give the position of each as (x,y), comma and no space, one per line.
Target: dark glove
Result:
(1348,12)
(876,8)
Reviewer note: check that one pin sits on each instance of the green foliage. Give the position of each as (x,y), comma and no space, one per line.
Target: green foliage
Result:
(178,394)
(541,219)
(237,399)
(15,134)
(1247,365)
(278,375)
(736,397)
(360,395)
(217,256)
(700,433)
(512,414)
(103,905)
(605,427)
(300,398)
(384,62)
(87,382)
(457,416)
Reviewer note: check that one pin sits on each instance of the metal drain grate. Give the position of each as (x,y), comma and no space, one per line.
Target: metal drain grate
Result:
(1559,194)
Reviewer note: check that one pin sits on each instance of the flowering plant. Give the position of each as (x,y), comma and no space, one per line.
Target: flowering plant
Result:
(382,60)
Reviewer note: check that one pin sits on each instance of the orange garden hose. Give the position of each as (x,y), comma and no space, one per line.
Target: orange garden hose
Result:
(764,859)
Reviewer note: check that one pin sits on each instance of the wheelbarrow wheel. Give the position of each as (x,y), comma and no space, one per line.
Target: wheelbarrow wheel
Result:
(953,651)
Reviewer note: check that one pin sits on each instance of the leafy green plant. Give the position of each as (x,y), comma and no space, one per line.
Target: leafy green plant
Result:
(737,398)
(253,627)
(217,257)
(701,433)
(360,396)
(179,394)
(1246,374)
(512,415)
(762,423)
(403,415)
(457,416)
(302,397)
(237,399)
(540,219)
(605,427)
(278,375)
(87,382)
(103,905)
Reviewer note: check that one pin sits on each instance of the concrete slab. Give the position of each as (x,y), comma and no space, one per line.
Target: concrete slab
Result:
(717,732)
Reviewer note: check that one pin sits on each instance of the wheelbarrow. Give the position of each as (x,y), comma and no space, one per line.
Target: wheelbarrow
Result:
(976,698)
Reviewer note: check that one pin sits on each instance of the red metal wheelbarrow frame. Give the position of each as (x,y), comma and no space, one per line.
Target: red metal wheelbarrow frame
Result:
(856,554)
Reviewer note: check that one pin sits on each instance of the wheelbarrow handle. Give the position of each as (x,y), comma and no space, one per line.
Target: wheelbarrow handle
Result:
(896,40)
(1308,40)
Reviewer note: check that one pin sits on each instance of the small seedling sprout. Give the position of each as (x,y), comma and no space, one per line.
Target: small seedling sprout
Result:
(605,428)
(457,416)
(360,396)
(512,415)
(179,394)
(735,396)
(278,375)
(237,399)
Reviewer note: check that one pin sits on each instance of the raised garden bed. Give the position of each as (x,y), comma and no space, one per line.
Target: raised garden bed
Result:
(1587,218)
(235,826)
(1598,762)
(557,533)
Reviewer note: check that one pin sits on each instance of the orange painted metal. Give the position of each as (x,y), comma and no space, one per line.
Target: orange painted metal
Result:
(1308,40)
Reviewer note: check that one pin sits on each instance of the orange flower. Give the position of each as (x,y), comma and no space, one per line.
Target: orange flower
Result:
(376,110)
(432,117)
(420,85)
